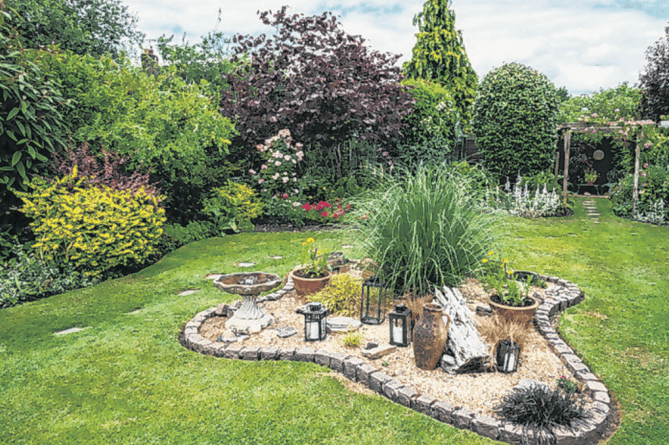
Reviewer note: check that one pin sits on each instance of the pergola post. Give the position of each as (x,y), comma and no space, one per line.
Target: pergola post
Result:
(567,149)
(637,155)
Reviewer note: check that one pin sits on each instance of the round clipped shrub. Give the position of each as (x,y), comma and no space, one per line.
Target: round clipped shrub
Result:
(341,295)
(515,120)
(233,206)
(94,228)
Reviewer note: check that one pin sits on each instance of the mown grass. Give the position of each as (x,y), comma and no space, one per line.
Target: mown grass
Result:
(125,379)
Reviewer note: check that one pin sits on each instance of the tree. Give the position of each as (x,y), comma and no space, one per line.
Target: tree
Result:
(439,55)
(654,81)
(312,78)
(515,120)
(91,27)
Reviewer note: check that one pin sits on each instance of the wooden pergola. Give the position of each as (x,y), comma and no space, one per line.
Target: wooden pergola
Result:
(567,128)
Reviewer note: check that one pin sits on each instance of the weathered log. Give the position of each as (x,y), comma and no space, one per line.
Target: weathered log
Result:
(465,351)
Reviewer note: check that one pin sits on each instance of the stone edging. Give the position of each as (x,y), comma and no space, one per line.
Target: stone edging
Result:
(558,299)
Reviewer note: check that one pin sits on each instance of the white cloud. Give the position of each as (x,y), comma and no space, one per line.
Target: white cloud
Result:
(581,45)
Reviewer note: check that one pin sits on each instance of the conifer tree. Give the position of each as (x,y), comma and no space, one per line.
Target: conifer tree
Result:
(439,55)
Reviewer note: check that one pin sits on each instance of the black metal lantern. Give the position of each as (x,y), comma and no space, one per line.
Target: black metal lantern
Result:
(314,322)
(508,353)
(373,301)
(400,325)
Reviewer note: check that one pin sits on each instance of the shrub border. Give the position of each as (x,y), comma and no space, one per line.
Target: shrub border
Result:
(559,298)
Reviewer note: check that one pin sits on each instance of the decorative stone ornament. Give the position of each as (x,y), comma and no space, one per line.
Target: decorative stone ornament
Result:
(400,321)
(315,316)
(508,354)
(373,301)
(429,337)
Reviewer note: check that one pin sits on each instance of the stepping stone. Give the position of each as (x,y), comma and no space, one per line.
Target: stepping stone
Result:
(188,292)
(342,324)
(346,246)
(213,276)
(285,331)
(246,264)
(68,331)
(276,257)
(136,311)
(379,351)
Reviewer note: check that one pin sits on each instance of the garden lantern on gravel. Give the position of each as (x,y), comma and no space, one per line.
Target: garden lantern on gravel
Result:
(373,301)
(315,315)
(400,325)
(508,353)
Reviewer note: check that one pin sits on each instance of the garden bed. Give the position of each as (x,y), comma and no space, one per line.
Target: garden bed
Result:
(465,400)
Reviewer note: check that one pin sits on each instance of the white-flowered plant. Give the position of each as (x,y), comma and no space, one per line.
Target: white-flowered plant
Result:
(654,215)
(520,201)
(280,159)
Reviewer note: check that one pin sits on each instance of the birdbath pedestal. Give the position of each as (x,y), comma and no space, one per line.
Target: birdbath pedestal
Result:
(249,318)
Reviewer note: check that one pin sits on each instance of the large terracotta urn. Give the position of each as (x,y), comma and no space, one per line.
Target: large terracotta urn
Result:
(429,336)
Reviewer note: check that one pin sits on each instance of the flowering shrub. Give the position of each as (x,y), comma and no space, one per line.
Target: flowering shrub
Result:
(324,212)
(280,158)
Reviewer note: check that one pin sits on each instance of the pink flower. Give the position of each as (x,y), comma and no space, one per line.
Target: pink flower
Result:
(294,179)
(296,204)
(645,165)
(594,115)
(277,163)
(643,173)
(284,196)
(263,167)
(275,176)
(646,145)
(306,207)
(253,172)
(284,179)
(384,154)
(617,110)
(261,180)
(324,214)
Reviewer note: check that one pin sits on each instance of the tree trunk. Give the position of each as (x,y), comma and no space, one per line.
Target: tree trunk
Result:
(465,351)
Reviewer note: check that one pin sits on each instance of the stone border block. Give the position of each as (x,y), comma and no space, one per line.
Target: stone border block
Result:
(406,396)
(287,354)
(251,353)
(486,426)
(322,357)
(390,389)
(337,361)
(442,411)
(462,418)
(304,354)
(377,380)
(363,372)
(351,366)
(269,353)
(424,404)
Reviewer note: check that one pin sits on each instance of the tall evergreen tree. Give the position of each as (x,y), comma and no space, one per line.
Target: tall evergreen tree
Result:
(439,55)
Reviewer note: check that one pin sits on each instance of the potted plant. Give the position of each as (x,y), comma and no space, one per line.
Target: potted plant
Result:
(509,297)
(591,176)
(314,272)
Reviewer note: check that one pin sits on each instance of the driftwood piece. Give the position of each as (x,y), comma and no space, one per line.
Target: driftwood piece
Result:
(465,351)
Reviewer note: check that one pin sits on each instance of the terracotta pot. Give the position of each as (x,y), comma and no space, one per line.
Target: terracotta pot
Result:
(429,337)
(521,313)
(308,286)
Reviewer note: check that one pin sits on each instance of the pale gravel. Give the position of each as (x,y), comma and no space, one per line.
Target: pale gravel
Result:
(478,392)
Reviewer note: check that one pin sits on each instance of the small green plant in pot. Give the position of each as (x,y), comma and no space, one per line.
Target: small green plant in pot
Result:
(313,274)
(591,176)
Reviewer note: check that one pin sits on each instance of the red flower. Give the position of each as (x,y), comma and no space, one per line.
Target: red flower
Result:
(324,214)
(306,207)
(285,195)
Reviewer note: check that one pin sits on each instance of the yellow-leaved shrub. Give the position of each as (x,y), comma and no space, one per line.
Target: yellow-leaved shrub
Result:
(95,228)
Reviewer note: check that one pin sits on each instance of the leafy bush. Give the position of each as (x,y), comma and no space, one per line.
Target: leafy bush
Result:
(653,196)
(31,124)
(515,120)
(612,103)
(161,123)
(431,128)
(424,229)
(311,77)
(176,235)
(26,277)
(537,406)
(233,206)
(93,27)
(95,228)
(653,81)
(341,295)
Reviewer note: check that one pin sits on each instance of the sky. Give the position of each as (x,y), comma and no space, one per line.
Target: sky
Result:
(583,45)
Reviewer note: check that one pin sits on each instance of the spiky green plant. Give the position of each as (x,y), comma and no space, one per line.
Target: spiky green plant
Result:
(424,229)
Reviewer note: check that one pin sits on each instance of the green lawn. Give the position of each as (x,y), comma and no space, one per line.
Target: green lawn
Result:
(125,379)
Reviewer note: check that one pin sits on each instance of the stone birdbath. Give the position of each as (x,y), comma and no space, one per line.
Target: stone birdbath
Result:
(249,318)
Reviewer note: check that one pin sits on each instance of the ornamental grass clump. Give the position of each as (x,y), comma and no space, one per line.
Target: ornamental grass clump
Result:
(424,229)
(541,409)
